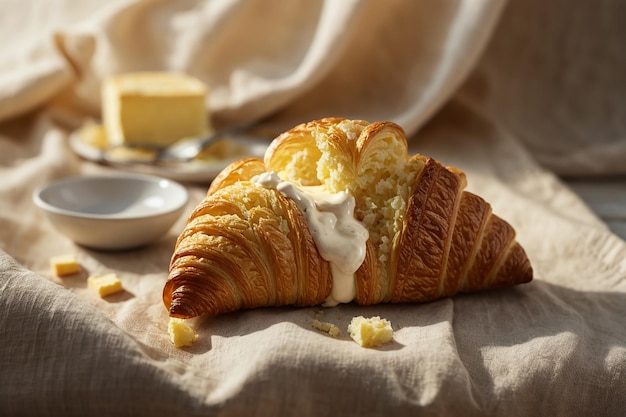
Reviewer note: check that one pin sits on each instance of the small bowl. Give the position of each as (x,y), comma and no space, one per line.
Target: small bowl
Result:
(112,212)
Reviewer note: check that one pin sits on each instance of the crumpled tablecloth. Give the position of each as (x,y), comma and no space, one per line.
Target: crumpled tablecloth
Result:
(515,94)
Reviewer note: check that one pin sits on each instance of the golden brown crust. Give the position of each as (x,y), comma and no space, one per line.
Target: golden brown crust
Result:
(376,138)
(497,236)
(426,235)
(241,170)
(472,217)
(516,269)
(232,256)
(245,246)
(367,290)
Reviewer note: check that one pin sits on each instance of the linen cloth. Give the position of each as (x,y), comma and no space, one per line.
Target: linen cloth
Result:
(511,105)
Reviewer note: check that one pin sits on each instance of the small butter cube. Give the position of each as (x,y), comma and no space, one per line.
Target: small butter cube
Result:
(153,108)
(329,328)
(180,333)
(104,285)
(370,332)
(64,265)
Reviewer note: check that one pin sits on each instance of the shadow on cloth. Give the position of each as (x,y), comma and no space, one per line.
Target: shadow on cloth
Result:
(539,331)
(150,259)
(496,319)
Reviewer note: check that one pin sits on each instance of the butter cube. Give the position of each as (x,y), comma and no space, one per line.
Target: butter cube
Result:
(104,285)
(181,334)
(64,265)
(370,332)
(153,108)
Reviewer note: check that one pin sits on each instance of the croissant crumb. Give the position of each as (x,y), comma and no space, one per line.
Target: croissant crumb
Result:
(326,327)
(181,334)
(370,332)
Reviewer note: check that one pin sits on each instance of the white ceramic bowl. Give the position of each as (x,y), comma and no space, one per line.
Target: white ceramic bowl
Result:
(112,212)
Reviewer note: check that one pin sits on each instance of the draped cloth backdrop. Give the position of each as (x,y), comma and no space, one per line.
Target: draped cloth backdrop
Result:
(514,93)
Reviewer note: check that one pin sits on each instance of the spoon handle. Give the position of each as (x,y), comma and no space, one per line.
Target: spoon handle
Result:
(186,150)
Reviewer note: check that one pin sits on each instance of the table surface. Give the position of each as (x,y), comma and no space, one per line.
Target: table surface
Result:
(607,198)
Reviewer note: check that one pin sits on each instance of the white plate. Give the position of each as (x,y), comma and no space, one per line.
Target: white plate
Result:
(195,171)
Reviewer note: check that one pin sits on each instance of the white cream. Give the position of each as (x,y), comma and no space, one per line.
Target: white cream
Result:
(339,237)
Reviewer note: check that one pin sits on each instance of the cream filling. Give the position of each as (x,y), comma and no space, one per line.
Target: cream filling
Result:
(339,237)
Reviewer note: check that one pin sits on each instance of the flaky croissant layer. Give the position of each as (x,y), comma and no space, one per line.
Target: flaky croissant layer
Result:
(247,246)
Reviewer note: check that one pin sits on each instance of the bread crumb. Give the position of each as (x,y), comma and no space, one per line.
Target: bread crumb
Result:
(329,328)
(104,285)
(370,332)
(64,265)
(181,334)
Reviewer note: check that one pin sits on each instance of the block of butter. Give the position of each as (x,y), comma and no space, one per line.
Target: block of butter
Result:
(104,285)
(63,265)
(153,108)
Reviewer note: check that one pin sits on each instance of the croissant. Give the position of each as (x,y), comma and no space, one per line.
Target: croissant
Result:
(249,245)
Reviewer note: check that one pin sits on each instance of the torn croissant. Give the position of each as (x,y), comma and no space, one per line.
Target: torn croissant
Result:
(248,246)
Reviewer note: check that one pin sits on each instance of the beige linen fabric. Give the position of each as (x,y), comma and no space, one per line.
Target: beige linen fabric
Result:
(556,346)
(259,57)
(553,75)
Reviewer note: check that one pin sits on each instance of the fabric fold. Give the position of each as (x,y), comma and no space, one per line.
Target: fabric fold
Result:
(513,93)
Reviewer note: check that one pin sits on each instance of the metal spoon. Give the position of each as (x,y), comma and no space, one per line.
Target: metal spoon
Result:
(185,150)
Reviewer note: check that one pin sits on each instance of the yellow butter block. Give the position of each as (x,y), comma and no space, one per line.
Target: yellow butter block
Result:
(104,285)
(181,334)
(64,265)
(153,108)
(370,332)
